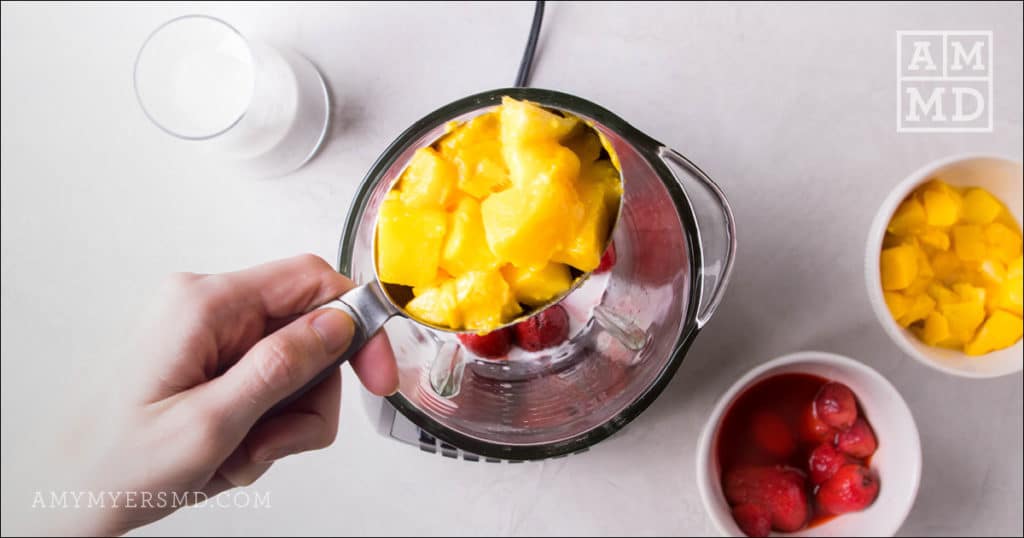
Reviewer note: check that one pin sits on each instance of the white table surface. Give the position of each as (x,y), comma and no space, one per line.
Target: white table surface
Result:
(791,108)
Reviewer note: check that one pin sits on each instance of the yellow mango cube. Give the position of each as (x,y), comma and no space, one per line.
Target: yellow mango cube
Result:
(466,247)
(409,242)
(898,267)
(526,224)
(439,279)
(969,293)
(428,181)
(980,207)
(941,205)
(897,303)
(942,294)
(1015,268)
(934,238)
(599,191)
(475,149)
(947,267)
(969,242)
(436,305)
(991,271)
(536,286)
(920,307)
(964,318)
(1003,242)
(909,218)
(1010,296)
(936,329)
(524,122)
(1000,330)
(485,300)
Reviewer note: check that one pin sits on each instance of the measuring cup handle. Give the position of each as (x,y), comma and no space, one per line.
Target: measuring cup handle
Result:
(369,309)
(716,229)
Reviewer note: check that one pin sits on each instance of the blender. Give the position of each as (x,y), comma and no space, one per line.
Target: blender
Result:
(675,244)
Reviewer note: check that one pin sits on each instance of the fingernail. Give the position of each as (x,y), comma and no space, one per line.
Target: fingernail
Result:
(334,328)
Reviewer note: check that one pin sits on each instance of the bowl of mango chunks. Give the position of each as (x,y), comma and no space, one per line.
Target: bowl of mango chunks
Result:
(943,265)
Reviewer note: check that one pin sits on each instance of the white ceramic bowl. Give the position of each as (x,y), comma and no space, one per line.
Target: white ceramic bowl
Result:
(1002,177)
(898,459)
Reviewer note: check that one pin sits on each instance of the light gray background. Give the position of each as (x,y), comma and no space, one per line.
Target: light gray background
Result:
(790,107)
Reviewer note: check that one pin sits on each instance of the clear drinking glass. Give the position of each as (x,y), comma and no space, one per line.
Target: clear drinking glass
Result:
(264,108)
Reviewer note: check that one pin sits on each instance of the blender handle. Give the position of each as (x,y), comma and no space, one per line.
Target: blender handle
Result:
(369,309)
(716,232)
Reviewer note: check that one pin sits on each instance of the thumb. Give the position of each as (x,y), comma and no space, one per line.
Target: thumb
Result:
(280,364)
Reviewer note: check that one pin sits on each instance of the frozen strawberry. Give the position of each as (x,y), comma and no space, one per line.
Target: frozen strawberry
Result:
(492,345)
(772,434)
(859,441)
(547,328)
(825,460)
(836,406)
(753,519)
(813,430)
(852,489)
(607,260)
(779,489)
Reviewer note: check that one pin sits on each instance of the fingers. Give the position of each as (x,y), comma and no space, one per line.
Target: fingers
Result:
(239,470)
(293,285)
(375,366)
(309,423)
(278,365)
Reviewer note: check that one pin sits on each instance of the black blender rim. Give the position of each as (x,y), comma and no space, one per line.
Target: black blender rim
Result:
(688,331)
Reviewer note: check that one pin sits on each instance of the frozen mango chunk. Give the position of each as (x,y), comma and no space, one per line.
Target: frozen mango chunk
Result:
(1009,296)
(897,303)
(536,286)
(428,181)
(942,294)
(991,271)
(1015,268)
(475,149)
(934,238)
(525,225)
(1000,330)
(908,218)
(964,318)
(524,122)
(409,242)
(920,307)
(466,247)
(436,305)
(936,329)
(898,267)
(485,300)
(941,205)
(599,191)
(1003,242)
(980,207)
(969,242)
(948,268)
(969,293)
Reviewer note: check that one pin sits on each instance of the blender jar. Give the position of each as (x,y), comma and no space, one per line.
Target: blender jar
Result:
(675,244)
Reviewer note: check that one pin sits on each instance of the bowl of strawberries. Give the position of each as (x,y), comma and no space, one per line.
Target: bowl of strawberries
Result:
(810,443)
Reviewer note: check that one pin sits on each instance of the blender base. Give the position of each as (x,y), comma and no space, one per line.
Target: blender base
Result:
(391,424)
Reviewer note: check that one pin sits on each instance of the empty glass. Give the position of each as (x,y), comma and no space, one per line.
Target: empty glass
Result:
(199,79)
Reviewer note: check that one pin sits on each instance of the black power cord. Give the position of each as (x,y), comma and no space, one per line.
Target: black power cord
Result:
(526,65)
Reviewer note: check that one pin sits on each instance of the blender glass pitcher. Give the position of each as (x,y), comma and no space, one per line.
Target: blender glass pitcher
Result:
(675,244)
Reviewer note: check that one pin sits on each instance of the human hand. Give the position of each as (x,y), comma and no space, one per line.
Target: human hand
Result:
(220,351)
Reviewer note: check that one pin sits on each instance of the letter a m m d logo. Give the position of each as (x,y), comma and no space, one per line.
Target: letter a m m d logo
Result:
(944,81)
